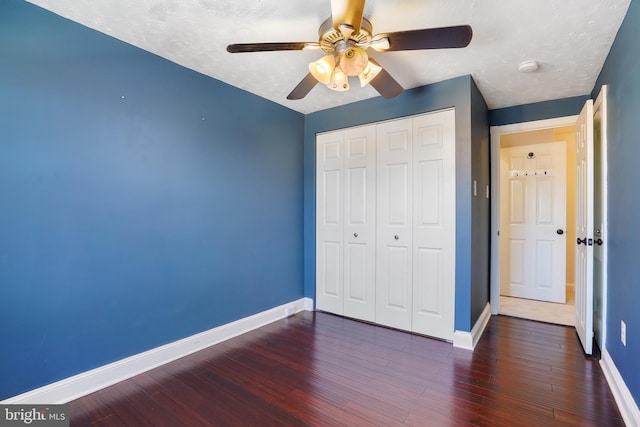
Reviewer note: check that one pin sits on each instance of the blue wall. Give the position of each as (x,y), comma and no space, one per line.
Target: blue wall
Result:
(451,93)
(128,223)
(621,73)
(481,216)
(537,111)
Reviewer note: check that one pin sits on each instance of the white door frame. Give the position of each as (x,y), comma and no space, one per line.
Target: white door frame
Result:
(496,133)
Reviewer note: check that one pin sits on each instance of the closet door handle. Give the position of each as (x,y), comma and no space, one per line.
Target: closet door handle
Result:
(582,241)
(396,237)
(355,235)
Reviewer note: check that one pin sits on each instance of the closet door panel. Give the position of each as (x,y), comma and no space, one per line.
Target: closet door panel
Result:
(427,281)
(396,282)
(329,222)
(394,224)
(434,224)
(359,222)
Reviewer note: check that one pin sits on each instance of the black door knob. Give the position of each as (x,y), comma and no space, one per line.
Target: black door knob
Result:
(560,231)
(582,241)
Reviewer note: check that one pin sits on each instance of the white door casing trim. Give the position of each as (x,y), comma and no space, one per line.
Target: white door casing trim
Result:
(496,133)
(85,383)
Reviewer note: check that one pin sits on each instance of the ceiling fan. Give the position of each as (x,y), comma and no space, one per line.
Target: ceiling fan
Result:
(345,38)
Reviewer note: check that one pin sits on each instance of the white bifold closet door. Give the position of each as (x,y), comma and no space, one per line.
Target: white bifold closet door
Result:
(394,287)
(385,223)
(345,218)
(415,258)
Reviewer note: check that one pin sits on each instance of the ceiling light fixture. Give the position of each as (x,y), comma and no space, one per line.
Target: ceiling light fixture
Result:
(344,38)
(334,70)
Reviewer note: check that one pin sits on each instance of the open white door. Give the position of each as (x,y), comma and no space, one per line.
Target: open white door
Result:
(584,226)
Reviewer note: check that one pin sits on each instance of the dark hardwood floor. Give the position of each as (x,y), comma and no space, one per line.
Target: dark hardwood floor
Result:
(323,370)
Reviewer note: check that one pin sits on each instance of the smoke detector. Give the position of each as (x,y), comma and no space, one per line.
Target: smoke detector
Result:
(528,66)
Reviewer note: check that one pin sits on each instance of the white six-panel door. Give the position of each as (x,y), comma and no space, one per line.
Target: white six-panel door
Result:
(359,222)
(394,287)
(345,222)
(434,213)
(536,208)
(329,222)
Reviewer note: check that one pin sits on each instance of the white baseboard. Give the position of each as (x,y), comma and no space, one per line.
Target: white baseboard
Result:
(308,304)
(88,382)
(626,404)
(468,340)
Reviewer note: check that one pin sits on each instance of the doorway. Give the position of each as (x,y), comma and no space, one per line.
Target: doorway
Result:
(533,216)
(536,250)
(555,132)
(590,278)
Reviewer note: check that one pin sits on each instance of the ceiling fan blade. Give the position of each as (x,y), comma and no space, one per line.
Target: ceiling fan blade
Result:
(303,88)
(347,12)
(386,85)
(268,47)
(430,38)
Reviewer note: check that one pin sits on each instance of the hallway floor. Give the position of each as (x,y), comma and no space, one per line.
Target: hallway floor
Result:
(550,312)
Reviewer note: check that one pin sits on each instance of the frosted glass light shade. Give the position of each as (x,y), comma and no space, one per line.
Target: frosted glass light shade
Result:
(322,69)
(369,73)
(353,61)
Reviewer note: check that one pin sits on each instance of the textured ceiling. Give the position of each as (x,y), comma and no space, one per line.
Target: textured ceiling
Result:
(569,38)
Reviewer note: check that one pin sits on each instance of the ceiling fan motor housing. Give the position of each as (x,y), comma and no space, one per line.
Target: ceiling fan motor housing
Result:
(330,36)
(344,43)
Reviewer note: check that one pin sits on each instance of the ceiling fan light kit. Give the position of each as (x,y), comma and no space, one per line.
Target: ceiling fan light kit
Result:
(345,38)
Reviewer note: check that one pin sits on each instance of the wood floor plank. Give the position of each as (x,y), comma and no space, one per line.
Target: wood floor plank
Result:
(323,370)
(88,410)
(317,411)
